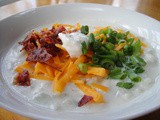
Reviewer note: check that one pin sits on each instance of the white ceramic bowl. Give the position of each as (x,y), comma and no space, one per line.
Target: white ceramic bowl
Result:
(17,25)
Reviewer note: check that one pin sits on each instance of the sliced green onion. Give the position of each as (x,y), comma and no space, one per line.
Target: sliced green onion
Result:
(119,63)
(96,46)
(137,48)
(100,40)
(91,38)
(107,63)
(116,70)
(111,57)
(120,53)
(113,33)
(138,69)
(112,37)
(127,33)
(121,41)
(121,59)
(130,40)
(109,46)
(136,60)
(83,67)
(84,47)
(102,48)
(134,77)
(120,36)
(117,74)
(108,31)
(85,29)
(95,59)
(126,85)
(130,65)
(128,50)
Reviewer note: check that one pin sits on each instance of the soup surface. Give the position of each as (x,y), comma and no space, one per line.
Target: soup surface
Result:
(40,91)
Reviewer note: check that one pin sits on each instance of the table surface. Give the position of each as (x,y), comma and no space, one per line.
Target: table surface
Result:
(148,7)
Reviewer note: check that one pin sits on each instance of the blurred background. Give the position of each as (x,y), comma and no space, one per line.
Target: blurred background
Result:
(148,7)
(10,7)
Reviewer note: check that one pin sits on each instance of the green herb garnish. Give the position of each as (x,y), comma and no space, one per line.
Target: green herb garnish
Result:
(126,85)
(137,48)
(138,69)
(128,50)
(121,63)
(117,74)
(109,46)
(83,67)
(133,76)
(127,33)
(136,60)
(107,63)
(84,47)
(85,29)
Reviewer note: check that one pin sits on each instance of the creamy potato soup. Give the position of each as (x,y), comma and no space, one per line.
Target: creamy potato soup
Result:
(86,90)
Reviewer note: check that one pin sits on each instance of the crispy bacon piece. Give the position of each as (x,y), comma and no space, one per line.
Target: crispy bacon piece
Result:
(85,99)
(59,29)
(22,79)
(41,47)
(48,43)
(29,42)
(38,55)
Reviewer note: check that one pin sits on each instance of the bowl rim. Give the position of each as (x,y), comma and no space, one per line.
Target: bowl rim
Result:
(34,116)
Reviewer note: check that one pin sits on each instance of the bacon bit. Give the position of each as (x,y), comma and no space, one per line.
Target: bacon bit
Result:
(60,29)
(29,42)
(22,79)
(41,55)
(89,54)
(85,99)
(38,55)
(48,43)
(41,47)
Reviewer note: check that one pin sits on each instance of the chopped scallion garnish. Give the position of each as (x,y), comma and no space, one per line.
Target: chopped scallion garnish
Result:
(137,48)
(126,85)
(84,47)
(83,67)
(136,60)
(117,74)
(85,29)
(122,62)
(133,76)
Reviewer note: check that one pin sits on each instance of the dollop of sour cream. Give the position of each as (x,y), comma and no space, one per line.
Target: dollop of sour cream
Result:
(72,42)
